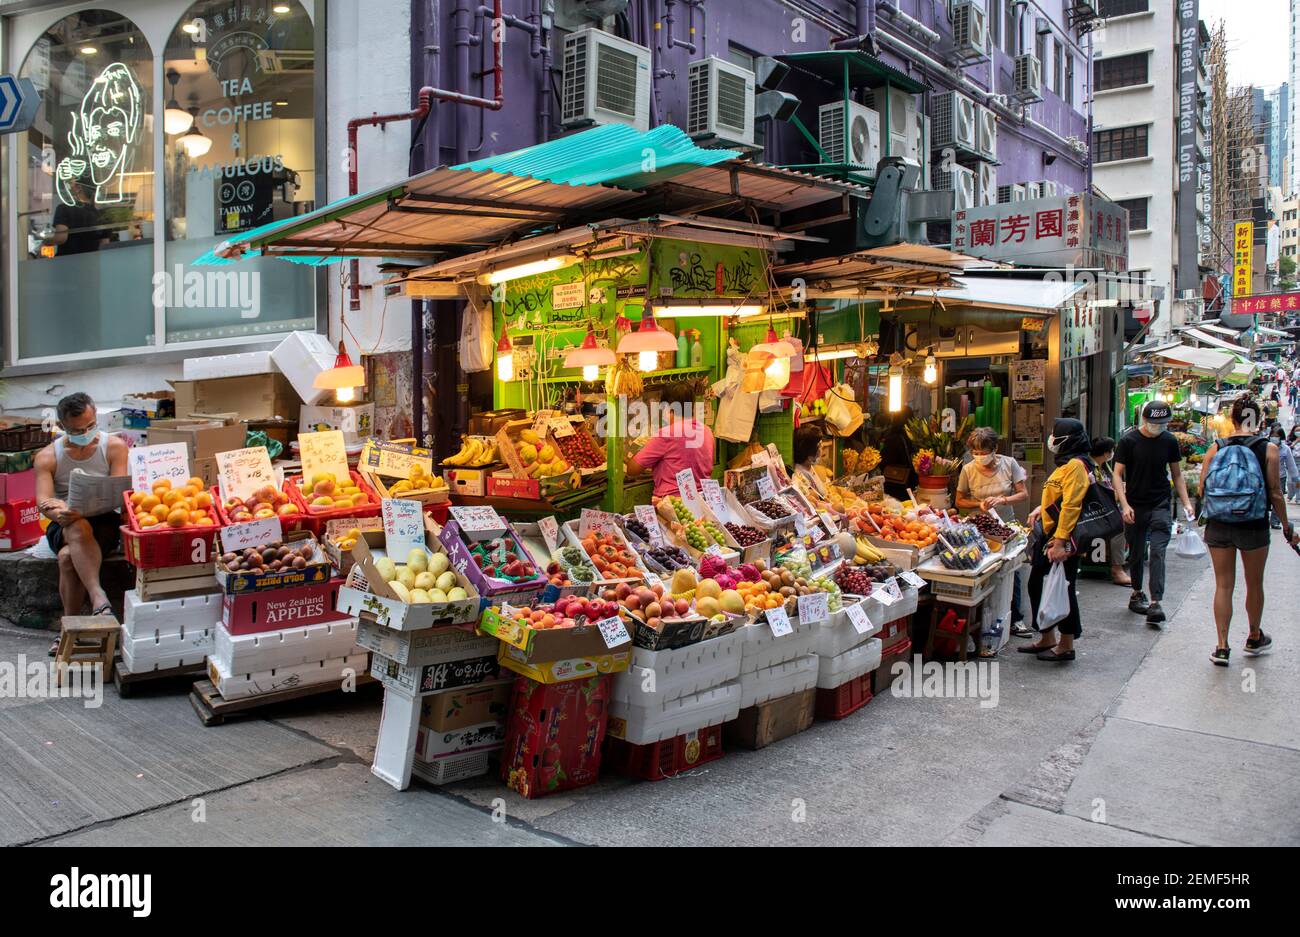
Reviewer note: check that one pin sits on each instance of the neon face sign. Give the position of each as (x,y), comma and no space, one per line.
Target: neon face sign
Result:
(103,130)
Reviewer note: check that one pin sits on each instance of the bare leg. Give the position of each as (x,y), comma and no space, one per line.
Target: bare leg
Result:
(1253,561)
(71,591)
(1225,582)
(87,558)
(1045,640)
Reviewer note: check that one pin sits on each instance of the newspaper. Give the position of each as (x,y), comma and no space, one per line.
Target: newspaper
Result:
(92,495)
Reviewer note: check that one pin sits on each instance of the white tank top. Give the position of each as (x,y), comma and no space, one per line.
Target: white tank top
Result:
(64,464)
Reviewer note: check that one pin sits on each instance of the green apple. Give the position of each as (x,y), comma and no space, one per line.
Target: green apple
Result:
(447,581)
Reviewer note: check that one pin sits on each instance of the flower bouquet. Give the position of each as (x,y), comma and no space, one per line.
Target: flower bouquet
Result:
(929,465)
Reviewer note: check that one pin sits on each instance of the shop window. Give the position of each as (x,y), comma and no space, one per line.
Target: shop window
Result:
(240,153)
(1121,143)
(1121,71)
(84,196)
(1137,213)
(1109,8)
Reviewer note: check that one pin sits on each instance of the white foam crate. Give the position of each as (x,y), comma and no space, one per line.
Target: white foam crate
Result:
(647,725)
(760,649)
(272,650)
(301,358)
(878,611)
(656,677)
(169,616)
(252,362)
(853,663)
(166,652)
(234,686)
(458,767)
(837,634)
(792,676)
(399,724)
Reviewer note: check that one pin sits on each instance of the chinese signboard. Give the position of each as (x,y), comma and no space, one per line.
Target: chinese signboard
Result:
(1255,305)
(1076,230)
(1081,331)
(1243,245)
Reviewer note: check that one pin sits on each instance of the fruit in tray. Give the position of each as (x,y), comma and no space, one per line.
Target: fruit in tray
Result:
(631,523)
(539,458)
(419,481)
(502,558)
(611,556)
(174,508)
(267,501)
(964,535)
(853,580)
(703,534)
(583,609)
(746,536)
(898,528)
(988,526)
(670,558)
(581,450)
(771,508)
(562,575)
(865,552)
(348,540)
(474,453)
(426,578)
(680,510)
(882,571)
(324,492)
(962,558)
(647,604)
(272,558)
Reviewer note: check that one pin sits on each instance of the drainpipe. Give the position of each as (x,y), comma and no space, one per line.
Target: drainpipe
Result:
(545,10)
(703,34)
(908,22)
(674,42)
(865,18)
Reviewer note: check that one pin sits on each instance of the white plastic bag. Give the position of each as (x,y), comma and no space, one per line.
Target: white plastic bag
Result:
(476,344)
(1189,544)
(1055,604)
(737,409)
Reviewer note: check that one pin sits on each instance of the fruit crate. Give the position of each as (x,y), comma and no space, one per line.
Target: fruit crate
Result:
(845,699)
(580,440)
(571,529)
(665,759)
(316,520)
(508,441)
(161,549)
(400,456)
(289,523)
(133,520)
(18,435)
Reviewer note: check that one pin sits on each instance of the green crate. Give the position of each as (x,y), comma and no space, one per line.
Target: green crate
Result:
(11,462)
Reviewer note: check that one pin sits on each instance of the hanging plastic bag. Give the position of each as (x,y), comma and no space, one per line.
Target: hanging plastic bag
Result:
(1056,598)
(736,409)
(476,337)
(1189,544)
(843,415)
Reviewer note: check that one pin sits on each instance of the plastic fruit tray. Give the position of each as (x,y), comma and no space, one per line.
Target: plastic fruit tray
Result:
(289,523)
(316,519)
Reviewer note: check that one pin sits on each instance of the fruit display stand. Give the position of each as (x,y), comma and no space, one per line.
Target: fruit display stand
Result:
(318,513)
(375,592)
(237,511)
(402,470)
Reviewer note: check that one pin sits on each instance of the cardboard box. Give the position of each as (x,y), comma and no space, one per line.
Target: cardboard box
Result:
(355,421)
(214,366)
(203,439)
(434,678)
(258,612)
(500,590)
(488,423)
(563,671)
(760,726)
(431,646)
(18,486)
(554,735)
(467,706)
(337,529)
(301,357)
(319,569)
(432,745)
(469,482)
(367,595)
(20,525)
(554,644)
(252,396)
(234,686)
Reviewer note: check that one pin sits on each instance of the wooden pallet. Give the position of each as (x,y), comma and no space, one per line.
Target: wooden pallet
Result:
(213,709)
(127,682)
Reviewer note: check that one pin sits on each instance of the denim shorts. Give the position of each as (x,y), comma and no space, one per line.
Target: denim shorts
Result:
(1241,537)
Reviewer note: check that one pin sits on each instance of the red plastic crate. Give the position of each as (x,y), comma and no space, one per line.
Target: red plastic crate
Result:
(439,512)
(845,699)
(316,522)
(163,547)
(290,523)
(666,758)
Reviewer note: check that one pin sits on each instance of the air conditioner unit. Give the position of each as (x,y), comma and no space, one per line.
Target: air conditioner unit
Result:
(904,130)
(956,179)
(970,31)
(952,122)
(1027,79)
(986,184)
(1048,189)
(1011,193)
(1033,190)
(606,81)
(720,101)
(858,143)
(986,132)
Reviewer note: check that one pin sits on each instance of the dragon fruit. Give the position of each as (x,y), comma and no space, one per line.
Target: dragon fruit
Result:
(712,566)
(748,573)
(726,580)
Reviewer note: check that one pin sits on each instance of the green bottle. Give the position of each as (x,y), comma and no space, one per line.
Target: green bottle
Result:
(683,350)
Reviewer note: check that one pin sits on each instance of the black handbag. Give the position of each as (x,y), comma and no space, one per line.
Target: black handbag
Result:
(1100,518)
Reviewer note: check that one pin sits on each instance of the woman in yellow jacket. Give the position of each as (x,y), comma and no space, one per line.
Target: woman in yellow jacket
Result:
(1062,503)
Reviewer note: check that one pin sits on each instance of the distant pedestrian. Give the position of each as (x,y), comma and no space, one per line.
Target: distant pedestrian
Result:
(1290,475)
(1241,477)
(1103,453)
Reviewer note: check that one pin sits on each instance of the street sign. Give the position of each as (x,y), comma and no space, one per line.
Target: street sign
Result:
(19,101)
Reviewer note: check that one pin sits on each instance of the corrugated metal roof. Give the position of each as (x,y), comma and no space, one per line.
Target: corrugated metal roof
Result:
(1004,293)
(864,70)
(1216,342)
(894,268)
(1204,361)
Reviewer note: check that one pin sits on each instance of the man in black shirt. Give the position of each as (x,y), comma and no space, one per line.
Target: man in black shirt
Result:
(1144,460)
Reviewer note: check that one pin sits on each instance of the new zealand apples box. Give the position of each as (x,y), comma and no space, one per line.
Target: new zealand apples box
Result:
(369,595)
(255,612)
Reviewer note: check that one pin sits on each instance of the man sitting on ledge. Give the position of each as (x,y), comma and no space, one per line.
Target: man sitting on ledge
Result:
(79,542)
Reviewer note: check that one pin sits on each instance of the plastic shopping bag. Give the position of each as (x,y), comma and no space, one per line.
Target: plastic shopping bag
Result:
(476,345)
(1189,544)
(1055,604)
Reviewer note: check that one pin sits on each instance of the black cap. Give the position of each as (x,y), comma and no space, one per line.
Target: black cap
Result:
(1157,413)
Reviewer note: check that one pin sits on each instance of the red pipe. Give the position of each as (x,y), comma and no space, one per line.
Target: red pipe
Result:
(427,96)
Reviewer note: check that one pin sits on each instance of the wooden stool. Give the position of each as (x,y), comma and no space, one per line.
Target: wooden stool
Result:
(87,641)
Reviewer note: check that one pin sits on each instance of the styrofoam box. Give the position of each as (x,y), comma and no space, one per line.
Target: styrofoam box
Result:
(399,723)
(791,676)
(169,616)
(148,653)
(457,767)
(272,650)
(420,648)
(877,611)
(301,358)
(647,725)
(252,362)
(656,677)
(238,686)
(759,648)
(840,669)
(837,634)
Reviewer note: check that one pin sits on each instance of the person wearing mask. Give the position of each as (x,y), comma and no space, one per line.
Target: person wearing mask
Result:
(1250,537)
(993,482)
(1290,474)
(1103,453)
(682,442)
(807,451)
(1293,443)
(896,457)
(1145,458)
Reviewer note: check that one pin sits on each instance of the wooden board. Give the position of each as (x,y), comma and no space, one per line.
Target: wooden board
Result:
(152,585)
(213,709)
(127,682)
(760,726)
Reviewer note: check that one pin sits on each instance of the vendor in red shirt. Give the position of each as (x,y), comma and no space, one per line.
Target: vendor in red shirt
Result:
(681,442)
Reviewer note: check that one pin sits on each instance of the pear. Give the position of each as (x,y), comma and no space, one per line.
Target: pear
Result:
(457,595)
(439,564)
(418,560)
(386,568)
(406,576)
(438,596)
(426,581)
(420,597)
(401,591)
(447,581)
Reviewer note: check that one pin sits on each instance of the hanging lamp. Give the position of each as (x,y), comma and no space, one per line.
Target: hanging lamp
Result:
(647,342)
(344,378)
(777,371)
(176,120)
(505,359)
(590,356)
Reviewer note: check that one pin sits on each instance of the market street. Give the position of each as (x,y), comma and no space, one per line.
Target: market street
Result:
(1172,745)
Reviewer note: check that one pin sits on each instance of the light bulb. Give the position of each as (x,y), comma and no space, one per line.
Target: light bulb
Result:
(591,372)
(506,368)
(895,391)
(648,360)
(931,370)
(346,394)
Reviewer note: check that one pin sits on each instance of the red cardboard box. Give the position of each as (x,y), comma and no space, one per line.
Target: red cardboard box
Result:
(18,486)
(20,525)
(554,734)
(259,612)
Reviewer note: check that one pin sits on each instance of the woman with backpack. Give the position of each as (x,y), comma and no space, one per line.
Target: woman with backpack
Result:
(1241,476)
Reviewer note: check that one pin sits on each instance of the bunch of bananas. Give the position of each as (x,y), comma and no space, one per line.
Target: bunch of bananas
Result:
(474,453)
(867,553)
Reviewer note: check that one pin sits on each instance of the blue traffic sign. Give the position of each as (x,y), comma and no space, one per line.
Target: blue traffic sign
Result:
(19,101)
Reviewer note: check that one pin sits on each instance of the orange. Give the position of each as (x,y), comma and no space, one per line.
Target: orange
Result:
(204,521)
(161,512)
(197,484)
(203,500)
(178,519)
(198,516)
(138,497)
(147,521)
(148,503)
(163,483)
(189,491)
(171,497)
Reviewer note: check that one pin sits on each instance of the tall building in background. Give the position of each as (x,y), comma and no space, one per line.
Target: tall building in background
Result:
(1293,121)
(1279,164)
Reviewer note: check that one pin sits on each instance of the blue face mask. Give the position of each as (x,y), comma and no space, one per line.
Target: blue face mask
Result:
(85,439)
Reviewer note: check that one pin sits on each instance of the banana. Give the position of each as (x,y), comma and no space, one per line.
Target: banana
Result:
(487,455)
(460,458)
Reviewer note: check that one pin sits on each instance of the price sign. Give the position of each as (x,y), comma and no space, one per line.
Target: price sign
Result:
(883,595)
(243,471)
(403,527)
(614,632)
(592,520)
(550,531)
(912,579)
(766,490)
(814,607)
(712,494)
(152,464)
(858,618)
(828,519)
(652,580)
(394,460)
(779,622)
(323,453)
(800,524)
(714,550)
(686,487)
(253,534)
(816,534)
(478,520)
(560,428)
(647,516)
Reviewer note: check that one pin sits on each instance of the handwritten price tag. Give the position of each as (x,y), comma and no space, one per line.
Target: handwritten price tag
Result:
(686,487)
(766,490)
(831,525)
(714,550)
(712,494)
(403,527)
(243,471)
(592,520)
(650,520)
(816,534)
(323,453)
(858,618)
(912,579)
(652,580)
(779,622)
(254,534)
(550,530)
(394,460)
(800,524)
(814,607)
(477,519)
(614,632)
(561,428)
(151,464)
(883,595)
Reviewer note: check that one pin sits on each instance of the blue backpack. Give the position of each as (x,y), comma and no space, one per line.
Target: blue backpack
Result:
(1235,491)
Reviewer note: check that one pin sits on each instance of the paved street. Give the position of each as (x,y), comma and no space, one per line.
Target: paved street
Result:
(1141,733)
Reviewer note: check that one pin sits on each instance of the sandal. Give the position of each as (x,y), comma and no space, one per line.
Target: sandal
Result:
(103,610)
(54,648)
(1034,648)
(1053,657)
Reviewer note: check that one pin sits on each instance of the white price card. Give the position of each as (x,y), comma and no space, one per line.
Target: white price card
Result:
(766,490)
(323,454)
(403,527)
(650,520)
(550,531)
(779,622)
(477,519)
(592,520)
(152,464)
(858,618)
(243,471)
(912,579)
(560,427)
(714,550)
(614,632)
(883,595)
(712,494)
(686,487)
(253,534)
(828,519)
(652,580)
(814,607)
(800,524)
(816,533)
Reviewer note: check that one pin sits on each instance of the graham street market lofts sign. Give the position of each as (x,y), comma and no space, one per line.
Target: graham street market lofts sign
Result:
(1189,174)
(1081,231)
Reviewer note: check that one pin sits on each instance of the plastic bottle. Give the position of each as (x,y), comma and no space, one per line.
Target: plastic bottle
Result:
(697,351)
(683,350)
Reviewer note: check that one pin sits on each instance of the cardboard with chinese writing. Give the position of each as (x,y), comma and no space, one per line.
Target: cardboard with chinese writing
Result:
(243,471)
(151,464)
